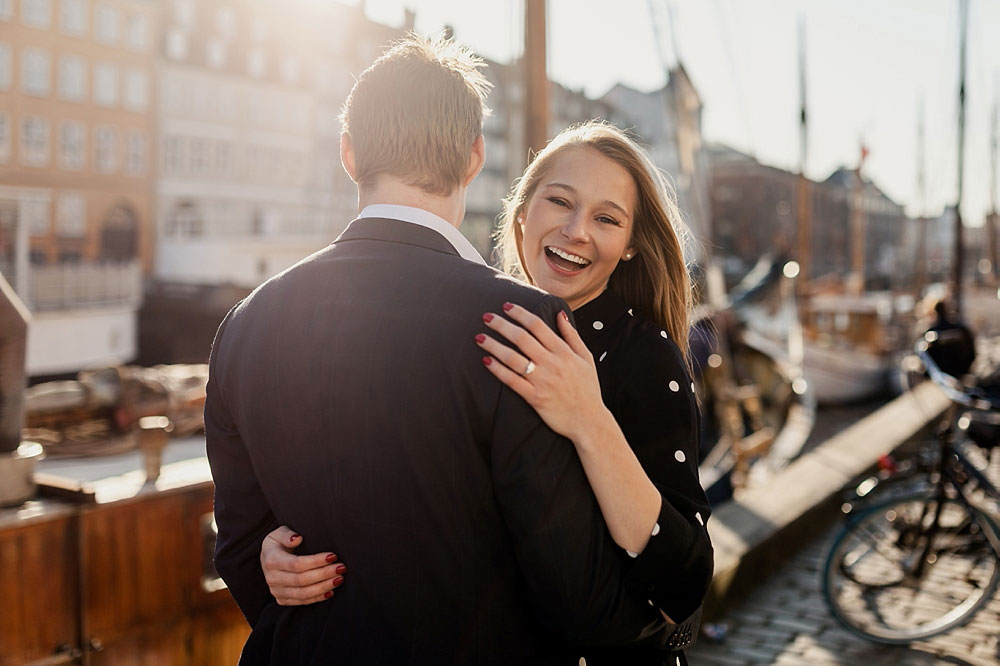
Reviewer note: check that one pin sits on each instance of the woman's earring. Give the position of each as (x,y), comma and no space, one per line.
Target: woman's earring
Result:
(628,255)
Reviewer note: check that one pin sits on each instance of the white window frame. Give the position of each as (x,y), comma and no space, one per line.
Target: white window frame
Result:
(35,213)
(71,215)
(36,72)
(105,162)
(5,140)
(107,21)
(177,44)
(72,154)
(136,97)
(74,17)
(135,154)
(32,155)
(137,32)
(6,66)
(73,78)
(36,13)
(106,84)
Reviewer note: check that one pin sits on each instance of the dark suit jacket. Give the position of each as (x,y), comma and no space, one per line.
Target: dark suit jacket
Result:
(347,399)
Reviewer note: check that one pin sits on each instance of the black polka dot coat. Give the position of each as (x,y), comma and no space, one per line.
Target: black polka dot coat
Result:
(646,386)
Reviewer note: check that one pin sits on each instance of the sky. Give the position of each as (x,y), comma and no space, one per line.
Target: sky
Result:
(871,65)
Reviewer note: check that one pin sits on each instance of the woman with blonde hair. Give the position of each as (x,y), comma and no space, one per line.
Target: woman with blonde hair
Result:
(593,221)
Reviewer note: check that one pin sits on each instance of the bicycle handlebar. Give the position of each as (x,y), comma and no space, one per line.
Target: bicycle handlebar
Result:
(972,397)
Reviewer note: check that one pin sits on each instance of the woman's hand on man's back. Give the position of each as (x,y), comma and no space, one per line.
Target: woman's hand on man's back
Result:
(297,580)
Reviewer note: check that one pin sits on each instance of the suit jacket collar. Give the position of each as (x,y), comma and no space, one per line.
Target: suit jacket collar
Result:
(396,231)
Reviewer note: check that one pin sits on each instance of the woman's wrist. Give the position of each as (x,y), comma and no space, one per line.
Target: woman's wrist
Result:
(596,432)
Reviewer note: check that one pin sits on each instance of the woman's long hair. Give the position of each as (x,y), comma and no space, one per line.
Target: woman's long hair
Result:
(655,281)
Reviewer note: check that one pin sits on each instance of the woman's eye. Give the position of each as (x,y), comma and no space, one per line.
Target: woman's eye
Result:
(607,220)
(559,202)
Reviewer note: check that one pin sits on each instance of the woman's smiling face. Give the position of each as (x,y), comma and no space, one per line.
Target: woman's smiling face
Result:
(577,225)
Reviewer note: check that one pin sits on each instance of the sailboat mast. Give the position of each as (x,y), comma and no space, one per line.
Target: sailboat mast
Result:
(804,200)
(959,253)
(536,117)
(920,264)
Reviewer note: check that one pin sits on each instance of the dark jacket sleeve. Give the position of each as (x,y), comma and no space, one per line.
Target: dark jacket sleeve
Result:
(242,513)
(573,570)
(658,413)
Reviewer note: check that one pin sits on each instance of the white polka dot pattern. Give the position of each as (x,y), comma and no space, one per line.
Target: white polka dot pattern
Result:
(656,529)
(674,386)
(698,517)
(679,456)
(598,325)
(602,357)
(631,554)
(663,334)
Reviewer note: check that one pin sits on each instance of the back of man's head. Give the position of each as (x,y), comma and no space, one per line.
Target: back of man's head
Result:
(415,113)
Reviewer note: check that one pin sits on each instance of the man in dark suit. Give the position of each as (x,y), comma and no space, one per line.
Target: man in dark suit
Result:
(347,399)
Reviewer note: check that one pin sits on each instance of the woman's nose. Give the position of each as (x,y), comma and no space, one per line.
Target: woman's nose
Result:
(575,228)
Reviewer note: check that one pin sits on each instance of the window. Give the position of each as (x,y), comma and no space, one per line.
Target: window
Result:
(290,70)
(73,17)
(73,78)
(35,141)
(199,157)
(71,215)
(137,32)
(4,137)
(35,63)
(107,149)
(36,13)
(107,24)
(6,9)
(6,66)
(173,155)
(36,216)
(225,21)
(256,63)
(135,154)
(72,146)
(177,45)
(106,84)
(215,53)
(184,12)
(136,90)
(223,159)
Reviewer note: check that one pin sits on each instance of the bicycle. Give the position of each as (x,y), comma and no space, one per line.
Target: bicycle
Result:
(922,556)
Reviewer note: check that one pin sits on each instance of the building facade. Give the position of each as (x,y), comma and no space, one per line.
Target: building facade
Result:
(76,173)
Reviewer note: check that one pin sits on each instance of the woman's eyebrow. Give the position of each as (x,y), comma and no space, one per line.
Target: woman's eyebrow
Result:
(572,190)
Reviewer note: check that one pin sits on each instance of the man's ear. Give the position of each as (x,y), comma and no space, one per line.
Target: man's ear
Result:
(477,157)
(347,156)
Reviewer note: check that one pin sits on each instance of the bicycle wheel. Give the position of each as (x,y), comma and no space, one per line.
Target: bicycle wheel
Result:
(874,582)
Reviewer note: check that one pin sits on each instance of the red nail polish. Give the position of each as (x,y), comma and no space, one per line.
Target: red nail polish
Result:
(487,360)
(480,338)
(328,594)
(507,307)
(339,569)
(331,558)
(293,537)
(338,581)
(488,317)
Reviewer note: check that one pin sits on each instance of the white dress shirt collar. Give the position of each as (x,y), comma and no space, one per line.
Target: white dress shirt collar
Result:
(427,219)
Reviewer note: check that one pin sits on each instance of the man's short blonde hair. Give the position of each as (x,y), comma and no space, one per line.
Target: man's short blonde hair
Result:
(415,113)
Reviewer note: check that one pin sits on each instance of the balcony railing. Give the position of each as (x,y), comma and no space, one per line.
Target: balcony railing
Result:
(67,286)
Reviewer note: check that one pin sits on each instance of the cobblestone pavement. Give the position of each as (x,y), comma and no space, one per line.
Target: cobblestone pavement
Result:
(784,620)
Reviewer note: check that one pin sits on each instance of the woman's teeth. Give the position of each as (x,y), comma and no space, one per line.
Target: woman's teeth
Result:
(562,254)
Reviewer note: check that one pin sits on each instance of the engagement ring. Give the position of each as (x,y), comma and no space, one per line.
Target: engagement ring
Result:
(528,369)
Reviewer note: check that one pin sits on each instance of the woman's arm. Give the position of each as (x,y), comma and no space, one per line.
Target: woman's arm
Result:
(564,389)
